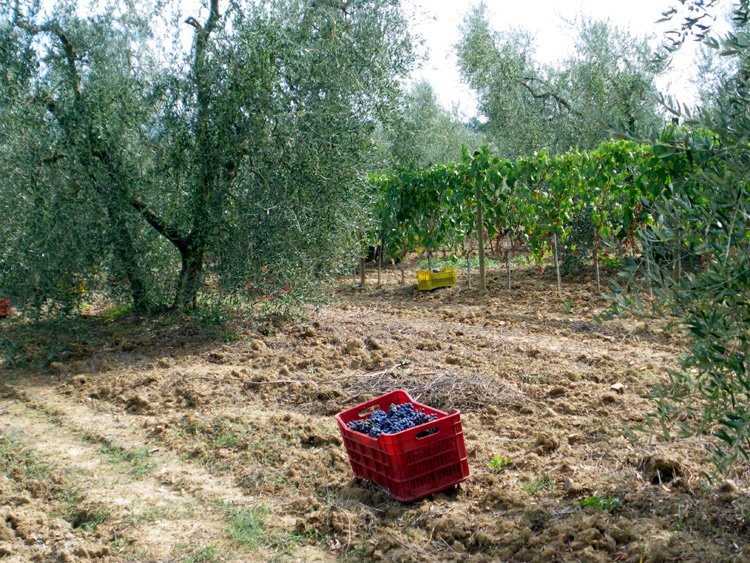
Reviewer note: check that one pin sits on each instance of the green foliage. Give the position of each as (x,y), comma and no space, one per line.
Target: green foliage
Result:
(423,133)
(530,107)
(116,312)
(139,459)
(205,554)
(149,173)
(545,483)
(247,526)
(499,463)
(608,191)
(697,249)
(15,457)
(211,313)
(605,504)
(88,519)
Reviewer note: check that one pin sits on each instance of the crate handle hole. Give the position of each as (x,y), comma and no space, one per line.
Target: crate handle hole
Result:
(368,411)
(428,432)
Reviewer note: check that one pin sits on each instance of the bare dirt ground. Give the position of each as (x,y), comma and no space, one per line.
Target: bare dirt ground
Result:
(151,443)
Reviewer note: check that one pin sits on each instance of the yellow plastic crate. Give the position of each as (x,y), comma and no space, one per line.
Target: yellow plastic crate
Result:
(428,280)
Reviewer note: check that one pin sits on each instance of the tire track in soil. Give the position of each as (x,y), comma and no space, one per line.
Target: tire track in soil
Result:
(152,515)
(129,431)
(186,483)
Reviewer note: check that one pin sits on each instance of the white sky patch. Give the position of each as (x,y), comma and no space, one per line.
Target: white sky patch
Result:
(438,21)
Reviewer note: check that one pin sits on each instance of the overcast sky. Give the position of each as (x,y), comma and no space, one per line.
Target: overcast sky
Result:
(437,21)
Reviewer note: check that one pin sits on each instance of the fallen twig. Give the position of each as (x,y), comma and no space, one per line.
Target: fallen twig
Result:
(421,551)
(378,373)
(276,382)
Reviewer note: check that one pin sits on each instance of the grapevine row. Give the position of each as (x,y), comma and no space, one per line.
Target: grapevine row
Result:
(538,199)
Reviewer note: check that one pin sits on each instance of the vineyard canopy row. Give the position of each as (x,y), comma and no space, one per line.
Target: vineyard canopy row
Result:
(582,201)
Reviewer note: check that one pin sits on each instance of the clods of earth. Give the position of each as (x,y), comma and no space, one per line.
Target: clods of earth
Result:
(152,441)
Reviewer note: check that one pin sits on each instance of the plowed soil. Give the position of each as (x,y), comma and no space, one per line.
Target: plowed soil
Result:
(153,443)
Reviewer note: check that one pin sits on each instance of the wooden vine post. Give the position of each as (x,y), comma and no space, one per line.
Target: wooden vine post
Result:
(474,176)
(678,255)
(480,239)
(597,239)
(468,258)
(598,276)
(507,266)
(557,266)
(380,261)
(362,277)
(647,254)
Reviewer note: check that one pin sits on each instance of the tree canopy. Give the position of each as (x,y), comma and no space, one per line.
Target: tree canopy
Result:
(151,171)
(424,133)
(706,218)
(530,106)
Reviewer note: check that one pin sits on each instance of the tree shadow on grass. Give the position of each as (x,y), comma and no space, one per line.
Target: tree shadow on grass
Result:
(43,344)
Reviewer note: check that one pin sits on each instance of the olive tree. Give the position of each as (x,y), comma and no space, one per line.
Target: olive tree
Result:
(529,106)
(702,226)
(424,133)
(610,81)
(131,163)
(509,83)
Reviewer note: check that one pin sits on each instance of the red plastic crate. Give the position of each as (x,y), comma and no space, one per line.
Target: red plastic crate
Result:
(410,464)
(4,306)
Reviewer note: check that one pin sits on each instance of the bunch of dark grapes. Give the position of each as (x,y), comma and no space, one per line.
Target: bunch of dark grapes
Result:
(397,419)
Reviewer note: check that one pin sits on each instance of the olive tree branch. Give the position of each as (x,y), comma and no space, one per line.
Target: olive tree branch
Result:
(561,102)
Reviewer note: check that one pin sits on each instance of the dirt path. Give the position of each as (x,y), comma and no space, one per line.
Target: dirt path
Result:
(180,449)
(161,517)
(132,433)
(126,497)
